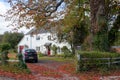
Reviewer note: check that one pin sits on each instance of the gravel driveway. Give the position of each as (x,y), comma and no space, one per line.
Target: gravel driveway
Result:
(52,65)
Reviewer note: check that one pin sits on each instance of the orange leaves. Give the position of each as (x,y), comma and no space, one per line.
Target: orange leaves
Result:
(67,68)
(44,71)
(16,76)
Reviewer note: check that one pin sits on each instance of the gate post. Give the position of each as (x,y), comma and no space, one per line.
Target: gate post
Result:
(78,63)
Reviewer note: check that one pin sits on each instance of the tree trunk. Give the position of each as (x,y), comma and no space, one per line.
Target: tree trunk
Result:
(94,10)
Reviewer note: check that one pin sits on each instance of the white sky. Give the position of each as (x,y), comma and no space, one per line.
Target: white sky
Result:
(4,6)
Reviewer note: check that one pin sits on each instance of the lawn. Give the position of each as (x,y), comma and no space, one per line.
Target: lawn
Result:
(54,58)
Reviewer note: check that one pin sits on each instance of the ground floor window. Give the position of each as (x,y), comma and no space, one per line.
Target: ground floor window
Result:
(38,48)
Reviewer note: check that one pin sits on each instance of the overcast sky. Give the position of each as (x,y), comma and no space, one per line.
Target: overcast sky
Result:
(4,6)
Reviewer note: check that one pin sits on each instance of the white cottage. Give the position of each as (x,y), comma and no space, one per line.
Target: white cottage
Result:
(41,40)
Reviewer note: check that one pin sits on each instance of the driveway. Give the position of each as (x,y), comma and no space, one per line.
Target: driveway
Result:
(49,70)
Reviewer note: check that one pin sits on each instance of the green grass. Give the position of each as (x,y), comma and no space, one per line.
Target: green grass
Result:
(60,59)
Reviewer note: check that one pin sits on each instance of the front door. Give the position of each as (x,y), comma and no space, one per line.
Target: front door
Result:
(48,51)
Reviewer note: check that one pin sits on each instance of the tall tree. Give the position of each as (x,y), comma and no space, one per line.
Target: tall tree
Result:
(102,11)
(75,24)
(12,38)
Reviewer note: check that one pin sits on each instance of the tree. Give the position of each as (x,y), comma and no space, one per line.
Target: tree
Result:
(102,11)
(114,31)
(1,36)
(31,13)
(12,38)
(75,24)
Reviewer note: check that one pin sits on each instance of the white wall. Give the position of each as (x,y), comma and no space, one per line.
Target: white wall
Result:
(31,42)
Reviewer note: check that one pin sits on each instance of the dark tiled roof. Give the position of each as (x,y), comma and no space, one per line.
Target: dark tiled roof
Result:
(46,28)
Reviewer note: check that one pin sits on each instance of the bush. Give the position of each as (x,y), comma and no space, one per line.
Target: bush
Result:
(4,57)
(54,48)
(40,54)
(13,51)
(4,53)
(60,55)
(66,52)
(21,63)
(97,54)
(4,47)
(90,61)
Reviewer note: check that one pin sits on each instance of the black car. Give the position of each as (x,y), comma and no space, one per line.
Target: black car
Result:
(30,55)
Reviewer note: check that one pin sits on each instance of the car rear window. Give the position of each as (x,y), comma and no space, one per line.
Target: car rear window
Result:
(30,50)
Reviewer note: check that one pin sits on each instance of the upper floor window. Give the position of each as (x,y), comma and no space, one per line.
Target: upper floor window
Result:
(27,38)
(49,37)
(37,37)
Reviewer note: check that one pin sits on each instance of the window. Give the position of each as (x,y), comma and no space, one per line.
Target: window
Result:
(49,37)
(27,38)
(58,50)
(37,37)
(38,49)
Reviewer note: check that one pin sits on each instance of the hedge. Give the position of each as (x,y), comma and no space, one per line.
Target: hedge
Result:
(96,60)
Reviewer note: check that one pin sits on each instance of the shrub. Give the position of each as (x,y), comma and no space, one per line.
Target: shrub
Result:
(54,48)
(4,47)
(66,52)
(97,54)
(60,55)
(40,54)
(4,57)
(4,53)
(21,63)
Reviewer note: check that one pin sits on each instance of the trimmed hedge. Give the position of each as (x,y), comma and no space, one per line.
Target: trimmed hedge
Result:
(97,54)
(93,60)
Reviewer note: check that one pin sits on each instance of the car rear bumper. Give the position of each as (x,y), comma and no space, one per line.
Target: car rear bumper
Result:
(31,58)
